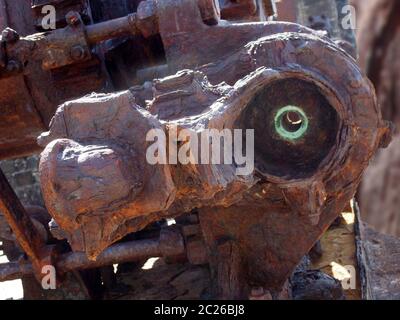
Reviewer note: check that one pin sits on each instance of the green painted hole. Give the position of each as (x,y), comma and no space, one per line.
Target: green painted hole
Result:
(291,123)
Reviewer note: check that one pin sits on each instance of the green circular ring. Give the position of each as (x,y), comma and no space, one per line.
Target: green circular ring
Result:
(288,135)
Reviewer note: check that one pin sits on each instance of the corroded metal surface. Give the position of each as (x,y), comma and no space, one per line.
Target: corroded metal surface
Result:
(287,207)
(256,226)
(168,245)
(52,67)
(28,94)
(30,240)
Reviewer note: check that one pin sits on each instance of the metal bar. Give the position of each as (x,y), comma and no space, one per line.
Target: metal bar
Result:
(13,270)
(111,29)
(119,253)
(13,211)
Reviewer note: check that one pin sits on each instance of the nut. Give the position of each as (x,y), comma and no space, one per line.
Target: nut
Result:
(78,53)
(73,18)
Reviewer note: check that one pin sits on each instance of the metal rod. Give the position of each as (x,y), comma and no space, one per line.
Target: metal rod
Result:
(13,270)
(111,29)
(13,211)
(119,253)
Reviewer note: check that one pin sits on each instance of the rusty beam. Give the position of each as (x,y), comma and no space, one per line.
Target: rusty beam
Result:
(13,211)
(14,270)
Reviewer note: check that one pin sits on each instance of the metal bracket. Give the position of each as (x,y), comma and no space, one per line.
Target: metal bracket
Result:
(68,45)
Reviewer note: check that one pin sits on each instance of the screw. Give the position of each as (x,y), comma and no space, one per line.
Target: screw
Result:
(73,18)
(78,53)
(9,35)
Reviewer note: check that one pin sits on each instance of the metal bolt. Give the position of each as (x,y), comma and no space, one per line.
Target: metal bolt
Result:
(78,53)
(9,35)
(73,18)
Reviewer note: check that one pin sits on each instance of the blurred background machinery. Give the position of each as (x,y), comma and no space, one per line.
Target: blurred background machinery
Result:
(378,38)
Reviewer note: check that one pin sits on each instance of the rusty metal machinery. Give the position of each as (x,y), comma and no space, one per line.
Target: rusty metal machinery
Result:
(199,72)
(39,72)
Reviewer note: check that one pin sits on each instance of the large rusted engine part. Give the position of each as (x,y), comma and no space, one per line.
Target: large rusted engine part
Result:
(314,114)
(378,37)
(98,185)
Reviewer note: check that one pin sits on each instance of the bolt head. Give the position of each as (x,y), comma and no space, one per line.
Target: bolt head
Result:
(78,53)
(73,18)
